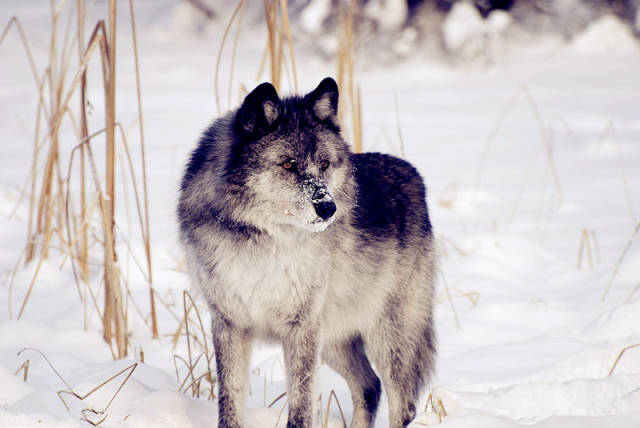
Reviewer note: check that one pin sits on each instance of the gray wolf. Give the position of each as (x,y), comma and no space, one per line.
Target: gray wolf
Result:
(293,238)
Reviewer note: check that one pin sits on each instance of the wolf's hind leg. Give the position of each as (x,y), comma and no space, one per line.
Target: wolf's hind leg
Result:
(403,362)
(350,361)
(233,351)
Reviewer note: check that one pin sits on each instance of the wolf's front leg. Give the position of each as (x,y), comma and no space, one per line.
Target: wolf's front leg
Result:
(300,357)
(233,351)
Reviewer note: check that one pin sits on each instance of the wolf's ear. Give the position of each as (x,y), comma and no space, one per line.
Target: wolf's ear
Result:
(259,111)
(323,100)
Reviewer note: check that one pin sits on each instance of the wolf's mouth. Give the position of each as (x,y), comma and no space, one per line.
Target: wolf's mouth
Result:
(311,217)
(317,225)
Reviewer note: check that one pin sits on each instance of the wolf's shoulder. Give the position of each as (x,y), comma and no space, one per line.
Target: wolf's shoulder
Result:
(391,196)
(212,148)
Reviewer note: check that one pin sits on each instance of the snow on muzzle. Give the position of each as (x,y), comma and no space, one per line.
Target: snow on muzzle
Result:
(322,201)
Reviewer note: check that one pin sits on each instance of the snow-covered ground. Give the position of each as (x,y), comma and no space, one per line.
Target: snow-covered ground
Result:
(525,338)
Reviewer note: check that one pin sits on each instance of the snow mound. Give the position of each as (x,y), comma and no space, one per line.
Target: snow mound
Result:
(461,26)
(389,14)
(315,14)
(13,388)
(467,35)
(607,35)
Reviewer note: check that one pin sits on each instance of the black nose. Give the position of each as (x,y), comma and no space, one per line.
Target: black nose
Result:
(325,209)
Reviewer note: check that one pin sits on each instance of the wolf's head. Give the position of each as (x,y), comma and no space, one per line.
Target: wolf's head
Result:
(290,159)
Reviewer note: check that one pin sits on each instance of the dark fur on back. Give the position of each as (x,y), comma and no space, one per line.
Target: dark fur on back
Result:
(293,238)
(392,203)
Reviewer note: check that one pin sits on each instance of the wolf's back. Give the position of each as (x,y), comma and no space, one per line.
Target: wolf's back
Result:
(391,198)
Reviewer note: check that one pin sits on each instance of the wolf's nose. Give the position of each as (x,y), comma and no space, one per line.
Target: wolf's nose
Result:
(325,209)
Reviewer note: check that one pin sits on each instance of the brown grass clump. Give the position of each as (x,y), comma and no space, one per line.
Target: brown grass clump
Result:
(197,344)
(55,220)
(435,406)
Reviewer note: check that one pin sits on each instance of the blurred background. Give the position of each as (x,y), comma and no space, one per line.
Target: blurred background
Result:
(522,116)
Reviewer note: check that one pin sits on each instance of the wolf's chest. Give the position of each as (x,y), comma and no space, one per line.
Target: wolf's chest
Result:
(268,286)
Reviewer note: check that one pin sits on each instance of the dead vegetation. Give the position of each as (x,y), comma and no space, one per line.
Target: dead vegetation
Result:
(199,377)
(63,209)
(89,413)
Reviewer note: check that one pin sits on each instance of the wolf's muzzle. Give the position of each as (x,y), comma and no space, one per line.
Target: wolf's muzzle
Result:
(325,209)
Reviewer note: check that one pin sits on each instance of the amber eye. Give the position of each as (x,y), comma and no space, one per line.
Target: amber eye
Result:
(324,164)
(289,165)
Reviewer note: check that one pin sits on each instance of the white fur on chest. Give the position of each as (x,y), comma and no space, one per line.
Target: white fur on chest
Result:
(266,285)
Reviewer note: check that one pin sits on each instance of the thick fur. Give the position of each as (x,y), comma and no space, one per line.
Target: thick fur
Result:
(293,238)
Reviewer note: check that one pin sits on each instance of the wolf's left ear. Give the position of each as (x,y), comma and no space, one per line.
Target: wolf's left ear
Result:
(260,110)
(323,100)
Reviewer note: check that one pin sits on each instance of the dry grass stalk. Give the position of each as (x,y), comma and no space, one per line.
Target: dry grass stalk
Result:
(428,403)
(45,205)
(99,200)
(285,23)
(492,136)
(625,349)
(625,182)
(453,309)
(332,394)
(472,296)
(113,315)
(523,186)
(603,136)
(16,22)
(145,229)
(84,133)
(349,110)
(12,277)
(34,175)
(233,51)
(546,141)
(448,195)
(635,290)
(282,411)
(275,400)
(219,57)
(435,406)
(186,326)
(357,121)
(25,370)
(41,108)
(585,244)
(461,252)
(89,413)
(201,341)
(44,357)
(278,29)
(620,259)
(33,280)
(596,246)
(274,39)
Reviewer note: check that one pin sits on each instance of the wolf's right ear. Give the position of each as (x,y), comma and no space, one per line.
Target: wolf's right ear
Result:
(260,111)
(323,100)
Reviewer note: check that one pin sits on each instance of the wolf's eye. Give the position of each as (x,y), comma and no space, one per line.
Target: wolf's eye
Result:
(289,165)
(324,165)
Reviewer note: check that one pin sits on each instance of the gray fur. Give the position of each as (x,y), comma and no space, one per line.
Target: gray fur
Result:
(293,238)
